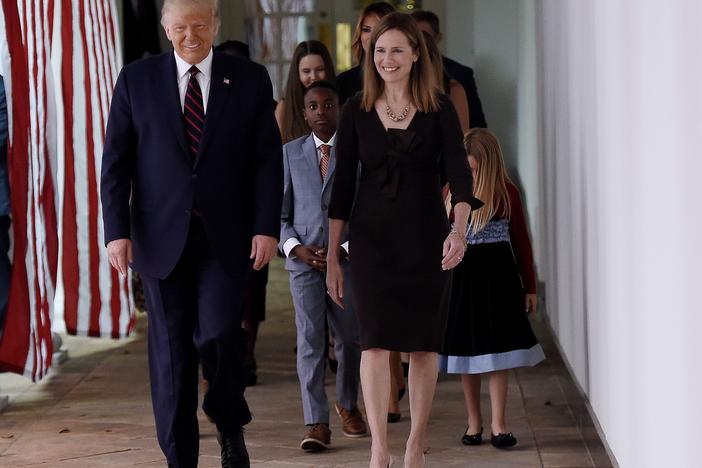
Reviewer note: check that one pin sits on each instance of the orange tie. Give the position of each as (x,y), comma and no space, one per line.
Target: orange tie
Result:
(324,162)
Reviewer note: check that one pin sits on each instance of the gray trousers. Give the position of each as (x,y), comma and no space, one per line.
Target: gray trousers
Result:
(312,303)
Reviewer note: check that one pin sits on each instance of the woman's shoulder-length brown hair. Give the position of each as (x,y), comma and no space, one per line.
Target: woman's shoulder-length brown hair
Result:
(423,82)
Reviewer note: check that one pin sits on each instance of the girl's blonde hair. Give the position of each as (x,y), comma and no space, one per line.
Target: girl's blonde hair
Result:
(490,180)
(424,86)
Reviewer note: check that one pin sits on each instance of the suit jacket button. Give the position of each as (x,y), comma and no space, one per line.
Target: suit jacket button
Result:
(324,207)
(187,212)
(321,229)
(194,176)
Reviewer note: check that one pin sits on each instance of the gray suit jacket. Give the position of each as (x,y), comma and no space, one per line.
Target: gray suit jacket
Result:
(305,197)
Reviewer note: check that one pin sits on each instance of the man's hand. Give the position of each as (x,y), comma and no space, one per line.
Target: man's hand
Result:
(262,250)
(119,251)
(312,255)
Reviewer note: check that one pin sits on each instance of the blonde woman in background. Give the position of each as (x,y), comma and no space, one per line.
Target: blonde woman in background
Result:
(350,82)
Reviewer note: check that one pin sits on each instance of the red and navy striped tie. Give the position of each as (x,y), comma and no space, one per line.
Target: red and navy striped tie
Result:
(193,113)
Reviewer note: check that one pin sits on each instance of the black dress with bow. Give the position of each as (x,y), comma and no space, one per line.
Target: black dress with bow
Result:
(397,221)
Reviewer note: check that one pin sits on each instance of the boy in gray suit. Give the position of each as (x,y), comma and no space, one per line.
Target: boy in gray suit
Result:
(309,163)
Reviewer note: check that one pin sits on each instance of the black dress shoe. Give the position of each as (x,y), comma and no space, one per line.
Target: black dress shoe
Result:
(472,439)
(394,417)
(503,440)
(234,454)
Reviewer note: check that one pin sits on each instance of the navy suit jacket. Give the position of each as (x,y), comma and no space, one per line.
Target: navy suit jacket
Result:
(465,76)
(150,182)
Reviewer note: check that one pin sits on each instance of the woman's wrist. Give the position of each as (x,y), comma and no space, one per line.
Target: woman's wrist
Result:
(332,255)
(461,236)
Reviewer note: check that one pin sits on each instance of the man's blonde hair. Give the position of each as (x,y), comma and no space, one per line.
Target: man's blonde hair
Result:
(168,4)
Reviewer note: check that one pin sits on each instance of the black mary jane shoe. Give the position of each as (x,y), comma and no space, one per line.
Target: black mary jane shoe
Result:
(503,440)
(472,439)
(394,417)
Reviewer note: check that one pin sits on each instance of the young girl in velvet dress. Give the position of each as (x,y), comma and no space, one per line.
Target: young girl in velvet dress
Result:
(493,292)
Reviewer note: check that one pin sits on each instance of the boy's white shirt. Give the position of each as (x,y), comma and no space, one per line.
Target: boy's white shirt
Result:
(293,242)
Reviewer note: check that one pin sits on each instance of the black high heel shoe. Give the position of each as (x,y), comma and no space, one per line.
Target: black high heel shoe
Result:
(503,440)
(472,439)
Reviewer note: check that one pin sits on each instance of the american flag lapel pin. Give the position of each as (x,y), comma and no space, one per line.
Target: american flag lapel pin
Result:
(226,81)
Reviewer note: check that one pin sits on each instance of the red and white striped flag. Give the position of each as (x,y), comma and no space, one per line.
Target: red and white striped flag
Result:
(91,298)
(25,29)
(59,60)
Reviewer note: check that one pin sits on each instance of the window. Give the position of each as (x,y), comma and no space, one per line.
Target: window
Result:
(273,29)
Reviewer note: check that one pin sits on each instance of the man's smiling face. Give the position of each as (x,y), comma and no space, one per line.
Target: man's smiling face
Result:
(192,30)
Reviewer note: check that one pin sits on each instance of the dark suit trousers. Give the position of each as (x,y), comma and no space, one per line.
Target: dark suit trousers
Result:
(195,317)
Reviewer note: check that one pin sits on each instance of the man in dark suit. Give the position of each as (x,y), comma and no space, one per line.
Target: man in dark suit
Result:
(191,193)
(429,23)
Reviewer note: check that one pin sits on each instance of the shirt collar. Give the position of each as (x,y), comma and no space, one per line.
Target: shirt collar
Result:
(205,66)
(318,141)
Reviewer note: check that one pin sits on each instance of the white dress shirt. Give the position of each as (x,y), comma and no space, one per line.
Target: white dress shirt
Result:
(318,142)
(294,241)
(203,78)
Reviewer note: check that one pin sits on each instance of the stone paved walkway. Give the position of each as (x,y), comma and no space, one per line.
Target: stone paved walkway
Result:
(95,411)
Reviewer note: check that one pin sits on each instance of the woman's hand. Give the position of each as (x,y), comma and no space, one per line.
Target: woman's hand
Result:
(531,303)
(335,279)
(454,248)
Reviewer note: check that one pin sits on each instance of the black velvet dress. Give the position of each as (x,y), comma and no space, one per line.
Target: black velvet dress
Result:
(397,221)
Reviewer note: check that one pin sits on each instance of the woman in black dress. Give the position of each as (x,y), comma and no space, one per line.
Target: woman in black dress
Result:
(350,82)
(405,132)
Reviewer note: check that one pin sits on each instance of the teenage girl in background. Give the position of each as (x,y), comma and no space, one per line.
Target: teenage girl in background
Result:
(310,62)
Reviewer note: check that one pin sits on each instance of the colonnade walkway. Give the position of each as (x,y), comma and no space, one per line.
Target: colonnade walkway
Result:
(95,410)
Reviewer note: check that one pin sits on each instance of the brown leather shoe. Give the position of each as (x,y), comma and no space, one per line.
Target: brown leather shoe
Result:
(352,423)
(318,438)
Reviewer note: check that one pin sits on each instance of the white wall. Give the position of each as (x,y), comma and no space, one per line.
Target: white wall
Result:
(621,122)
(528,165)
(498,39)
(495,42)
(457,27)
